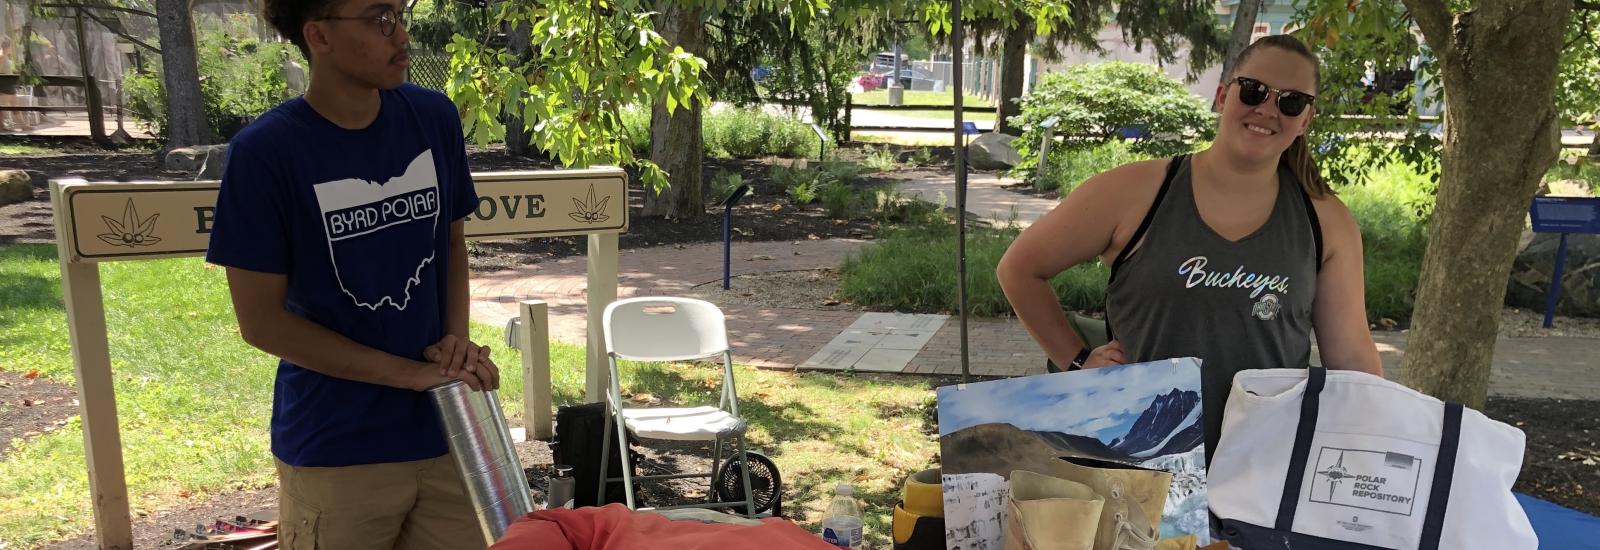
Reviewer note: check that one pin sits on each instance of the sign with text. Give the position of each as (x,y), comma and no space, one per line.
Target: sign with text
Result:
(1566,214)
(143,220)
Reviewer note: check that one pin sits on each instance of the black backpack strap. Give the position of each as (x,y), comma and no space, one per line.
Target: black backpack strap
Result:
(1316,379)
(1444,469)
(1316,225)
(1150,216)
(1144,225)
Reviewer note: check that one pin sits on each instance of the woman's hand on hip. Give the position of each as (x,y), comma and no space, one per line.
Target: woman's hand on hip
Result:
(1108,355)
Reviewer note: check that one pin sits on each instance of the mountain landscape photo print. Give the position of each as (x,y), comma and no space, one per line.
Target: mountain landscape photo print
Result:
(1146,415)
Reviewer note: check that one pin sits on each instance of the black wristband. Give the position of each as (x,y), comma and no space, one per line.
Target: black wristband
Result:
(1077,362)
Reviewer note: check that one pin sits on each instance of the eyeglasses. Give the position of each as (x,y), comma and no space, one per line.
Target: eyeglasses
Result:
(386,20)
(1291,103)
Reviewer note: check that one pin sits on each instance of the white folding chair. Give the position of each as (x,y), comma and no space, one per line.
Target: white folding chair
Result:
(671,329)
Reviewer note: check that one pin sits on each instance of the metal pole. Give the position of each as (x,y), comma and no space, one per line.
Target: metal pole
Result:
(1553,297)
(727,243)
(956,43)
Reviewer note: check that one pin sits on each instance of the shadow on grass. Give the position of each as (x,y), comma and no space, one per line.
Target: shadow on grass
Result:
(25,290)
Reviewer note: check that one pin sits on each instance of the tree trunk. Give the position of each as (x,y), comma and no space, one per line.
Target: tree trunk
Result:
(518,139)
(1498,142)
(1244,24)
(180,76)
(1594,145)
(91,85)
(1012,73)
(676,142)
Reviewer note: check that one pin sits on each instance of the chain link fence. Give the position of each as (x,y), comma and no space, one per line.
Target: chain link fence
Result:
(429,69)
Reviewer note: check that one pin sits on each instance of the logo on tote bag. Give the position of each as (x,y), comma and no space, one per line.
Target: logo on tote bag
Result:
(1368,480)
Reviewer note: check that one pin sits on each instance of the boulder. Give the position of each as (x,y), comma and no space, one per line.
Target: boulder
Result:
(203,161)
(15,186)
(993,151)
(1580,281)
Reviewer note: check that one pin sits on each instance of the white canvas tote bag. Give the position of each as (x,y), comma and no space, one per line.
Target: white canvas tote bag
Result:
(1312,459)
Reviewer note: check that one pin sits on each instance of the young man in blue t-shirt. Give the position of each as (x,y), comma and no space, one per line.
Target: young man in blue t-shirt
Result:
(340,225)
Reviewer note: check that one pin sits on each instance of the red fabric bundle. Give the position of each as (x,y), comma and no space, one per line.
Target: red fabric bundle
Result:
(614,527)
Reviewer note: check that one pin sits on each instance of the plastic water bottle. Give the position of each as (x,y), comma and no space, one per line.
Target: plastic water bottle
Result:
(841,526)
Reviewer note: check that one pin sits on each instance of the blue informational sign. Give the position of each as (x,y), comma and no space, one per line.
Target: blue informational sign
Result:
(1562,215)
(1566,214)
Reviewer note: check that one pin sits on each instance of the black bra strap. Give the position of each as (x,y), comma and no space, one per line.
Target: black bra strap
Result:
(1316,226)
(1149,216)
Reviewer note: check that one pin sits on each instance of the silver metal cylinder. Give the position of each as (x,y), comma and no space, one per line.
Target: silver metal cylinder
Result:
(563,488)
(481,443)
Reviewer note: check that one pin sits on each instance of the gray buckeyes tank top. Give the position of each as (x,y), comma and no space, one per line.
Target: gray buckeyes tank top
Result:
(1236,305)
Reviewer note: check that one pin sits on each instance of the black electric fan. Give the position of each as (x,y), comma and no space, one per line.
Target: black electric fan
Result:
(765,482)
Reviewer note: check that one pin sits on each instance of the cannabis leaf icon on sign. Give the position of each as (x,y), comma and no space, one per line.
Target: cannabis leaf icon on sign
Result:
(590,211)
(131,231)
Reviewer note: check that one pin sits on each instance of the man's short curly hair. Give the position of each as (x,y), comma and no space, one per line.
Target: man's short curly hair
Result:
(290,16)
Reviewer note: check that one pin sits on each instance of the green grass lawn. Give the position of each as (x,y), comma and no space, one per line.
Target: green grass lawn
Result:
(18,149)
(193,403)
(946,98)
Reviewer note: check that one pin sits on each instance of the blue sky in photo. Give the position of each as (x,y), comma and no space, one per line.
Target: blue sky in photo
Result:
(1103,403)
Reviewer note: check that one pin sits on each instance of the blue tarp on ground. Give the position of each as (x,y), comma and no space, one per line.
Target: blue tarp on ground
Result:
(1561,528)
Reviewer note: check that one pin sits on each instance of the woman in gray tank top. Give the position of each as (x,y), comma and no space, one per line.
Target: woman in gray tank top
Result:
(1235,255)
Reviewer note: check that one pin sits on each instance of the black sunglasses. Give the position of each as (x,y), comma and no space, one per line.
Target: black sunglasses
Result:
(387,20)
(1291,103)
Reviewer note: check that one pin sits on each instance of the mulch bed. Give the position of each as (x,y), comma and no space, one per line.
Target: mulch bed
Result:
(1562,436)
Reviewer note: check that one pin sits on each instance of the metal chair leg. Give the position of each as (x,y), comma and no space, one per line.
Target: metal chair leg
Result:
(627,461)
(744,470)
(605,459)
(716,462)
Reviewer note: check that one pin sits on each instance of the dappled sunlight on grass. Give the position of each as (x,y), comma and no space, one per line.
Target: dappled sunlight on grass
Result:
(820,428)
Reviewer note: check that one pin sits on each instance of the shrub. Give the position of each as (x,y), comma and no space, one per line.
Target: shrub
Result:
(733,134)
(891,207)
(724,184)
(1071,168)
(914,269)
(751,134)
(242,77)
(880,159)
(841,200)
(1575,166)
(802,193)
(636,126)
(1391,209)
(1095,104)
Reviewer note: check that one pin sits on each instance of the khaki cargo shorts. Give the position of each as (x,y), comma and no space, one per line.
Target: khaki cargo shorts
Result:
(419,505)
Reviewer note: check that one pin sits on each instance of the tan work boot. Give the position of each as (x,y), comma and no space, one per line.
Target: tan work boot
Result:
(1047,513)
(1135,498)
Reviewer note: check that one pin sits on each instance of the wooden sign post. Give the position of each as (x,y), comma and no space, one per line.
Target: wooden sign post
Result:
(103,222)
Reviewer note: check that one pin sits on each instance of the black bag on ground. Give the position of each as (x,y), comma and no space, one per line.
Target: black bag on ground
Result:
(580,430)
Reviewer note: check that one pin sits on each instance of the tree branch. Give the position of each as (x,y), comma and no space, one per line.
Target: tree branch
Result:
(1433,16)
(1585,5)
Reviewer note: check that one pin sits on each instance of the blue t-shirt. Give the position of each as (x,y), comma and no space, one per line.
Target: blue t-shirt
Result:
(359,222)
